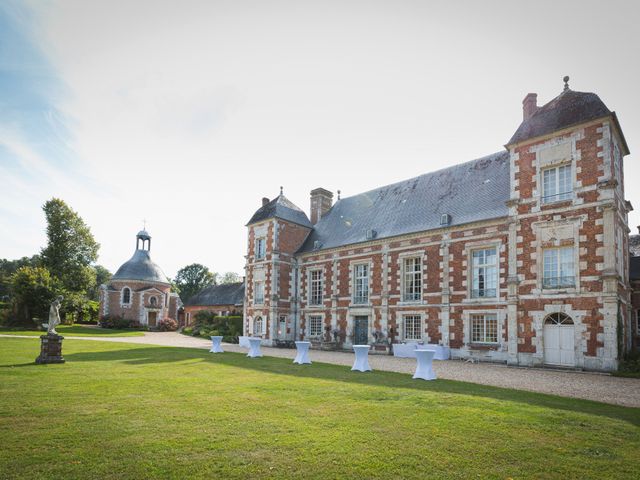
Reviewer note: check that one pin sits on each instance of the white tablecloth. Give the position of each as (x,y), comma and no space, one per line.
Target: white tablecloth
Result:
(424,366)
(216,346)
(361,363)
(407,350)
(254,347)
(244,342)
(303,353)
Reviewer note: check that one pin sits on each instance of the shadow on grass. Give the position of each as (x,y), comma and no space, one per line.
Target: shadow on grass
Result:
(324,371)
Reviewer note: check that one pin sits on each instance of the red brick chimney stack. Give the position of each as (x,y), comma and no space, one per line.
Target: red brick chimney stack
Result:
(321,201)
(529,105)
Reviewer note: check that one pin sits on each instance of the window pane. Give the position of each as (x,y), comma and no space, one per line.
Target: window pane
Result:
(485,279)
(412,327)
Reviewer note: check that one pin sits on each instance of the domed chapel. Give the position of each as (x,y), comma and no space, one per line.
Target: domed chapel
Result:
(139,290)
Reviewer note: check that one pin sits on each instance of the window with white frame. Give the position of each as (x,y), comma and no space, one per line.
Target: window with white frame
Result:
(126,295)
(558,268)
(484,328)
(153,301)
(412,327)
(412,279)
(557,184)
(361,283)
(315,287)
(261,248)
(258,293)
(257,326)
(315,325)
(485,273)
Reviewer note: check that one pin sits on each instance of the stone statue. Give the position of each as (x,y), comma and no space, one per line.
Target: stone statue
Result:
(54,316)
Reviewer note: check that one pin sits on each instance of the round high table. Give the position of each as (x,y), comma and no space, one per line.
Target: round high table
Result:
(254,348)
(424,368)
(303,353)
(216,344)
(361,363)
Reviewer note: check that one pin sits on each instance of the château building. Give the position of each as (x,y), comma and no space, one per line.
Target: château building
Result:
(521,256)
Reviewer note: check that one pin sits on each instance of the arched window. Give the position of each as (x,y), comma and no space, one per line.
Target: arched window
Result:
(126,295)
(257,326)
(153,301)
(558,319)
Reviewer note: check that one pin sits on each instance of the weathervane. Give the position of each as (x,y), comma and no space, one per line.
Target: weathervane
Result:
(144,224)
(338,194)
(566,82)
(280,190)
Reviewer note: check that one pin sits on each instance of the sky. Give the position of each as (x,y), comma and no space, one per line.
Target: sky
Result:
(186,113)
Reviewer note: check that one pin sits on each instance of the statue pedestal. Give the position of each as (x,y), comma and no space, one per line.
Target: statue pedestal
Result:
(50,349)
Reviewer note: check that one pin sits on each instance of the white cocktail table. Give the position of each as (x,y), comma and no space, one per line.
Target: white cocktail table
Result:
(254,347)
(243,341)
(424,368)
(361,363)
(216,341)
(303,353)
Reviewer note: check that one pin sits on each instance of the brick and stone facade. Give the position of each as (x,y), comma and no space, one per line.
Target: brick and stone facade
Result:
(471,267)
(139,291)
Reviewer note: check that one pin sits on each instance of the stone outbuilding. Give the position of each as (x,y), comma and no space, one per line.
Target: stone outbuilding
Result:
(222,300)
(139,290)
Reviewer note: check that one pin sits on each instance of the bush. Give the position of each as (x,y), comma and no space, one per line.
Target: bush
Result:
(207,324)
(167,325)
(119,323)
(187,330)
(630,363)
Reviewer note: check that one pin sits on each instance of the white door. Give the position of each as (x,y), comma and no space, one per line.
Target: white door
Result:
(559,340)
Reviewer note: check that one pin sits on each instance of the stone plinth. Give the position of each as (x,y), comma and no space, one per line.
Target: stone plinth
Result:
(50,349)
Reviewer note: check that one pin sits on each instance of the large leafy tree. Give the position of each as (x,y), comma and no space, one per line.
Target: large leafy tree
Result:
(102,276)
(33,290)
(9,267)
(230,277)
(193,278)
(71,248)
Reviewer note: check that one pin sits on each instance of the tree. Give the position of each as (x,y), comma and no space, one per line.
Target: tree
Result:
(33,290)
(71,248)
(230,277)
(193,278)
(9,267)
(102,276)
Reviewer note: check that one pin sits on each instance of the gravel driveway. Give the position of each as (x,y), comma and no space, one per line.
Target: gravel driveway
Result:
(590,386)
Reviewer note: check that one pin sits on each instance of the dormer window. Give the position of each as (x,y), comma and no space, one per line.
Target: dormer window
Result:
(557,184)
(261,248)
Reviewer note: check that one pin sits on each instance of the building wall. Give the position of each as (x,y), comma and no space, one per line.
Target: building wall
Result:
(111,303)
(592,223)
(220,310)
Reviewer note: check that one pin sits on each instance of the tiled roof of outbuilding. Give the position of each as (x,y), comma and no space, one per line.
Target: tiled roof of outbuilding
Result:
(567,109)
(225,294)
(281,207)
(469,192)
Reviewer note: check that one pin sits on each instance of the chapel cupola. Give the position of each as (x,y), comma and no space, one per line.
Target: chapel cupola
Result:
(143,240)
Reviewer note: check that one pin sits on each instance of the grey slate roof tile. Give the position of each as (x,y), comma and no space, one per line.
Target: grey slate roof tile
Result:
(281,207)
(140,267)
(469,192)
(225,294)
(567,109)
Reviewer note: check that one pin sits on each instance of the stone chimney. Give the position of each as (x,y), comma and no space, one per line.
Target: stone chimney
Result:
(321,201)
(529,105)
(265,200)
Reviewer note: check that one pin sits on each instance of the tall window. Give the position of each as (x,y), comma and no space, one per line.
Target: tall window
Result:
(412,279)
(485,273)
(153,301)
(261,248)
(258,326)
(126,295)
(484,328)
(361,283)
(556,184)
(315,326)
(258,294)
(315,287)
(412,327)
(558,268)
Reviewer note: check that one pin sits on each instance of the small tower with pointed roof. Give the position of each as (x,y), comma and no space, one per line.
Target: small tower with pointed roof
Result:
(275,232)
(139,291)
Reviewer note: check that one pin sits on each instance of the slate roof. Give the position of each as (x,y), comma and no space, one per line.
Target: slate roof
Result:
(225,294)
(140,267)
(281,207)
(469,192)
(567,109)
(634,268)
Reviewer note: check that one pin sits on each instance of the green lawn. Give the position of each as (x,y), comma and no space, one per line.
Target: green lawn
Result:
(76,331)
(117,411)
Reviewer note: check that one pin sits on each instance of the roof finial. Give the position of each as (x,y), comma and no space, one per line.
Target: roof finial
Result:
(338,194)
(281,190)
(566,82)
(144,223)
